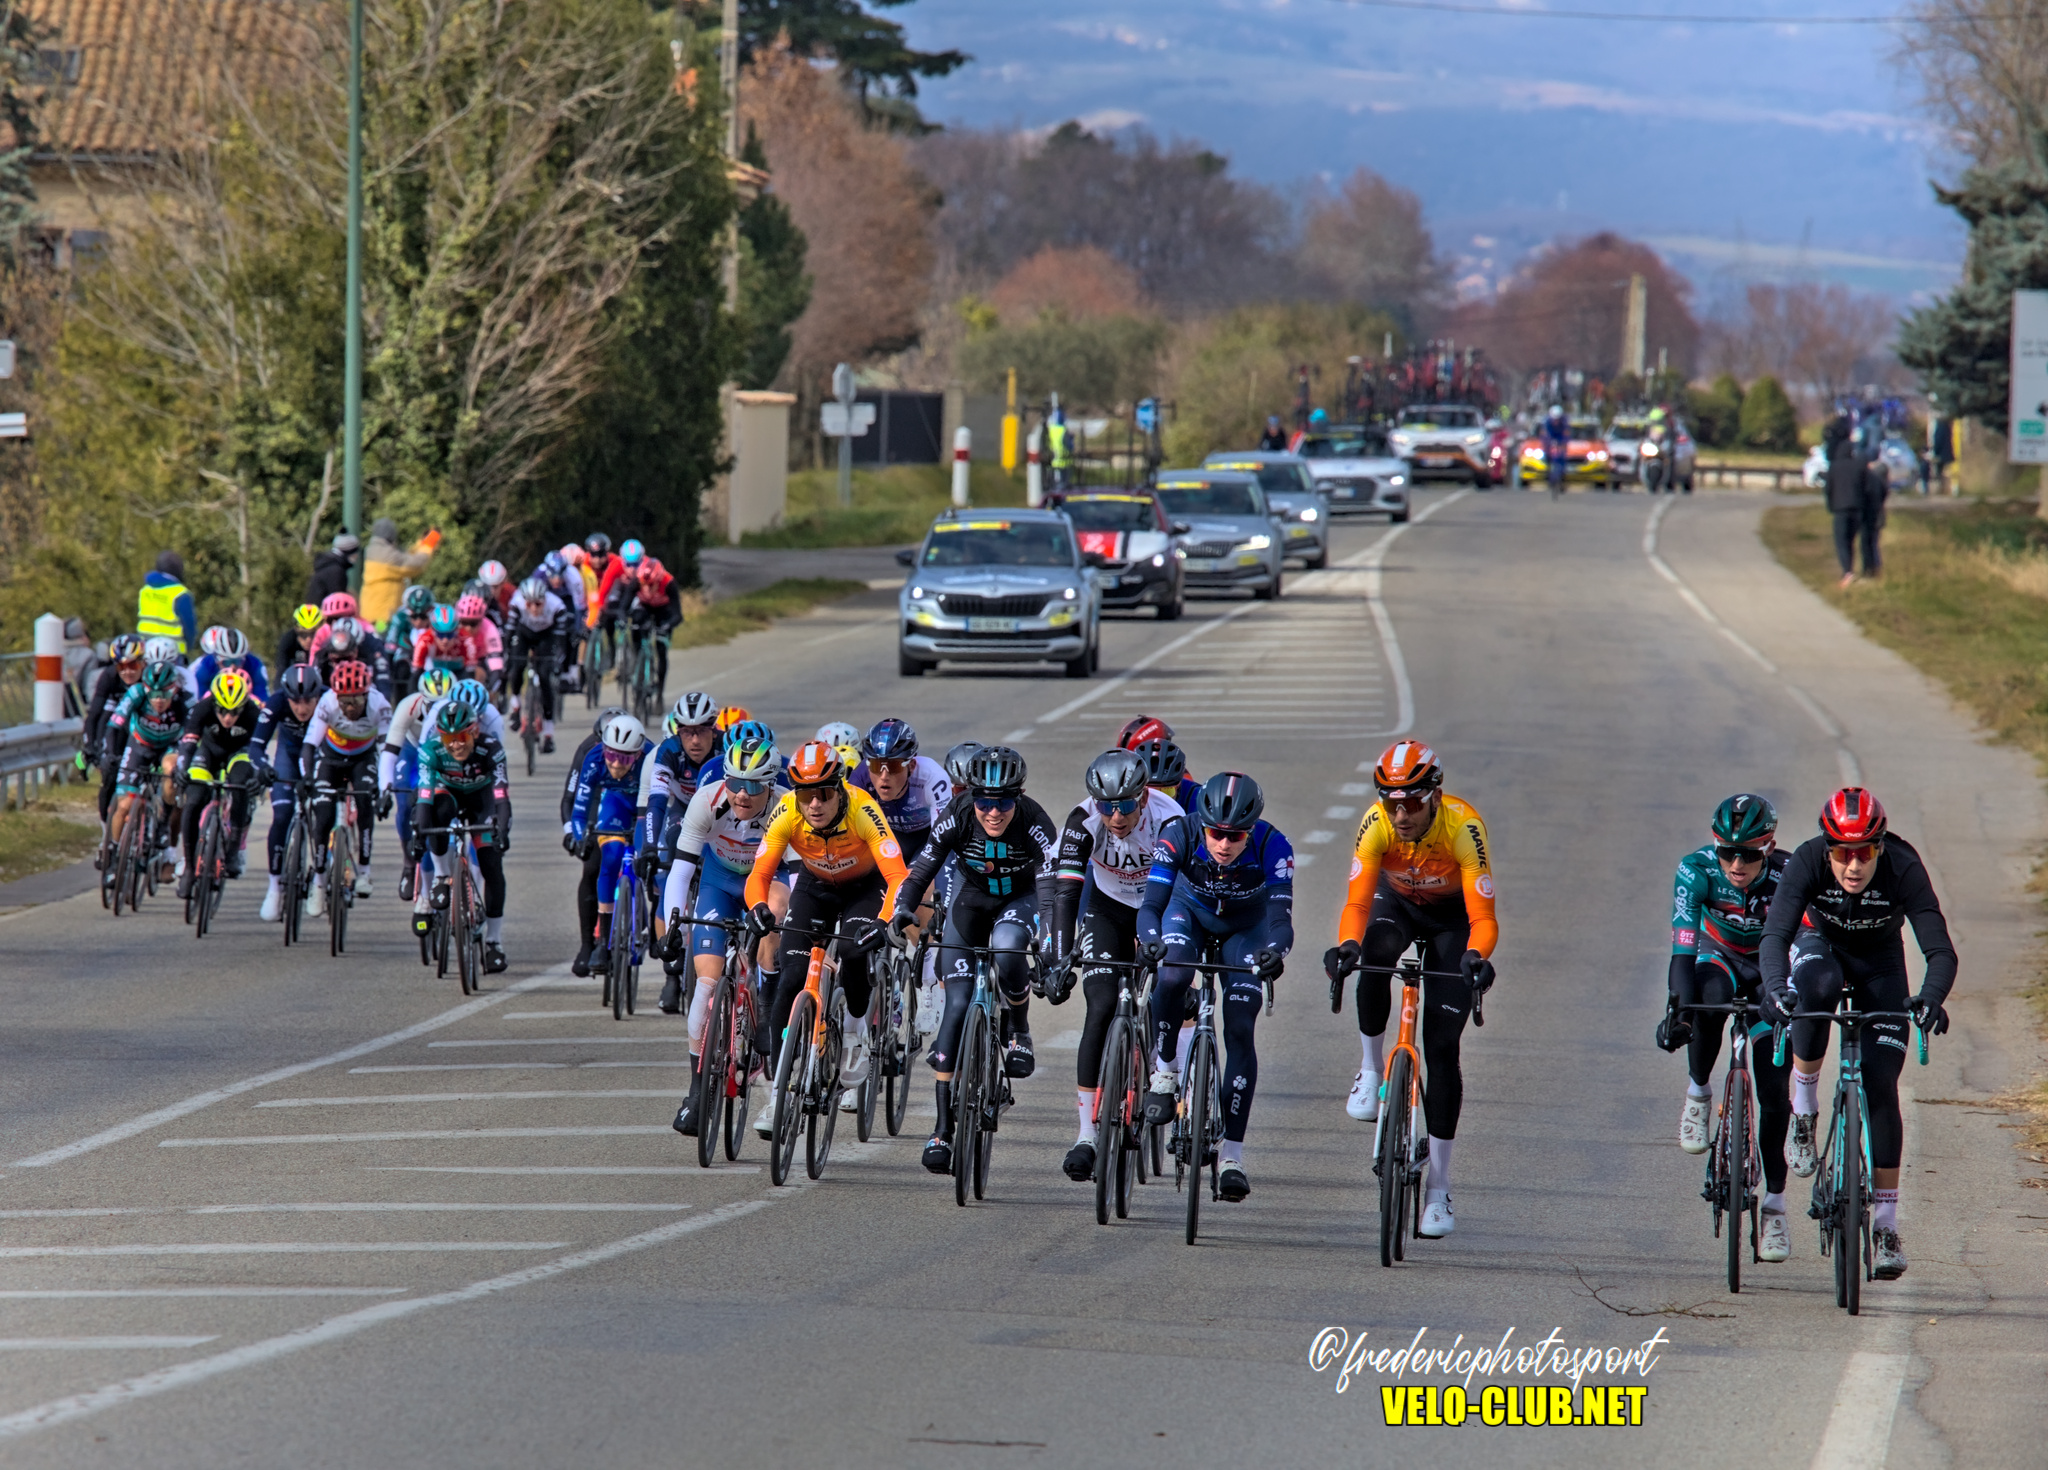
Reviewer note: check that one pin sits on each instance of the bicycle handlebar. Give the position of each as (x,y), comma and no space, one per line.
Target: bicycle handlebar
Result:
(1780,1028)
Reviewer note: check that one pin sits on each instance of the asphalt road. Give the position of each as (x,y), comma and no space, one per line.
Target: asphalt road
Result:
(267,1207)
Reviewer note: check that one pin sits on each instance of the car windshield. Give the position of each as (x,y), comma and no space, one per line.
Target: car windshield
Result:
(1626,433)
(999,544)
(1585,428)
(1211,498)
(1361,443)
(1274,479)
(1440,415)
(1111,513)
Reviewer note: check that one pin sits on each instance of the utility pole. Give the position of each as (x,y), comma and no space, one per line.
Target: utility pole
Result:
(729,83)
(1635,330)
(352,351)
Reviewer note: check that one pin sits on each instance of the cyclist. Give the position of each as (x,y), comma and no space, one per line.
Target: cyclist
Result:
(1007,850)
(1223,879)
(651,607)
(339,753)
(1718,903)
(216,742)
(494,586)
(340,611)
(398,769)
(443,644)
(1105,858)
(463,774)
(614,569)
(226,648)
(480,631)
(605,813)
(1835,923)
(122,672)
(716,844)
(147,726)
(1420,871)
(852,869)
(1557,443)
(537,629)
(912,789)
(285,717)
(1166,770)
(294,645)
(586,885)
(402,634)
(687,756)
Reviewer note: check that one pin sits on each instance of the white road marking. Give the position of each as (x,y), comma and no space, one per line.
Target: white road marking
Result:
(1065,1041)
(400,1207)
(274,1248)
(678,1063)
(457,1097)
(581,1013)
(1357,788)
(1860,1427)
(1303,860)
(1339,813)
(562,1169)
(154,1119)
(97,1344)
(183,1375)
(459,1067)
(670,1040)
(1024,734)
(422,1133)
(1050,716)
(87,1293)
(1320,835)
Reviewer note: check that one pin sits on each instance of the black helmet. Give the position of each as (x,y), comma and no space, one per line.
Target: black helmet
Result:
(606,718)
(1745,820)
(1116,775)
(996,770)
(597,544)
(302,681)
(1231,800)
(1164,762)
(890,740)
(956,762)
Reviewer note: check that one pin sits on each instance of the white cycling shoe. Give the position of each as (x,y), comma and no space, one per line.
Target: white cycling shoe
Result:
(316,899)
(363,883)
(853,1068)
(849,1100)
(1692,1124)
(1364,1102)
(764,1121)
(1774,1236)
(1799,1152)
(273,905)
(1436,1215)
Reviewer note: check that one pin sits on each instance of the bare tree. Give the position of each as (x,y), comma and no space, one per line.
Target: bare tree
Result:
(1569,305)
(1368,244)
(1812,337)
(1983,72)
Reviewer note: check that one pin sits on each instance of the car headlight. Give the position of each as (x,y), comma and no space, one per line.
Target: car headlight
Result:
(1533,454)
(1475,439)
(1649,451)
(917,594)
(1258,543)
(1160,560)
(1397,479)
(1593,454)
(1070,594)
(1310,514)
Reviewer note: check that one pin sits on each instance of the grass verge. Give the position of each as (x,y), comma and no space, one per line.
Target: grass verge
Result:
(890,506)
(50,834)
(753,611)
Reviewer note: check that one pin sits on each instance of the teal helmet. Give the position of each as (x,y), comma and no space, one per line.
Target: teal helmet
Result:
(1744,820)
(454,717)
(419,603)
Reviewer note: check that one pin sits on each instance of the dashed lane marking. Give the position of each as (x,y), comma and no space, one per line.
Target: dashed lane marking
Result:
(419,1134)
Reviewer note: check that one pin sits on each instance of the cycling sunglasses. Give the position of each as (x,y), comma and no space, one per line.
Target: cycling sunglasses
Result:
(696,729)
(1226,834)
(1741,854)
(995,803)
(1861,853)
(811,793)
(1120,808)
(751,788)
(893,766)
(1398,801)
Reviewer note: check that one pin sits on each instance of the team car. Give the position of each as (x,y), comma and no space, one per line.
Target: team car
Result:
(1586,460)
(1132,544)
(1442,440)
(1357,470)
(1292,493)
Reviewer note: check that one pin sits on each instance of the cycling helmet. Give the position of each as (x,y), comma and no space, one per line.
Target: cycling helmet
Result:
(598,544)
(631,552)
(552,565)
(230,689)
(470,608)
(455,718)
(695,708)
(1143,728)
(533,589)
(160,651)
(419,601)
(338,605)
(753,756)
(126,648)
(890,740)
(341,637)
(1164,762)
(234,646)
(160,679)
(1745,820)
(210,640)
(1116,775)
(956,762)
(1854,816)
(437,683)
(302,681)
(732,714)
(815,763)
(443,620)
(472,693)
(571,555)
(351,676)
(1318,419)
(1407,768)
(996,770)
(624,735)
(1230,800)
(491,574)
(306,617)
(838,732)
(604,717)
(743,732)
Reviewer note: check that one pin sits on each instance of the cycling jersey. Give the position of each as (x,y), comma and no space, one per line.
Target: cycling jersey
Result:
(605,803)
(553,618)
(670,778)
(207,743)
(107,693)
(144,733)
(483,769)
(336,736)
(1446,862)
(857,844)
(994,871)
(199,676)
(1864,928)
(923,801)
(1257,884)
(278,720)
(1705,905)
(1119,866)
(712,833)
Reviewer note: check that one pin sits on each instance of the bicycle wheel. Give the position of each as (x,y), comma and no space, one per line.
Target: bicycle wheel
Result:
(712,1065)
(787,1098)
(338,881)
(824,1091)
(125,872)
(622,958)
(1734,1132)
(292,879)
(1200,1075)
(740,1058)
(1395,1126)
(206,882)
(1128,1155)
(1109,1113)
(968,1083)
(149,858)
(529,735)
(460,923)
(1851,1202)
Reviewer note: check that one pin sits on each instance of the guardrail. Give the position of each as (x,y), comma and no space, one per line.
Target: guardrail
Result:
(1718,474)
(36,753)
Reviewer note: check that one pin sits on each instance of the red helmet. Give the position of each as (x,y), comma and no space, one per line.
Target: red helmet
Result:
(1852,816)
(1406,767)
(1143,728)
(350,677)
(469,608)
(338,605)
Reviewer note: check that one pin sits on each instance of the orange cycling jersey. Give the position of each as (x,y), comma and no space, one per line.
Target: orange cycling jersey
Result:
(854,846)
(1451,854)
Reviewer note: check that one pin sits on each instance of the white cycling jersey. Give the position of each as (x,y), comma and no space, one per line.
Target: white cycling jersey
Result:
(551,609)
(332,733)
(923,801)
(714,835)
(1120,865)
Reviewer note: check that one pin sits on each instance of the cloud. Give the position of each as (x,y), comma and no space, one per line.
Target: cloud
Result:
(1749,252)
(1121,35)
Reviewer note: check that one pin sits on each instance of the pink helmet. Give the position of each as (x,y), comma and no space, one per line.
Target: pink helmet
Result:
(469,608)
(572,554)
(338,605)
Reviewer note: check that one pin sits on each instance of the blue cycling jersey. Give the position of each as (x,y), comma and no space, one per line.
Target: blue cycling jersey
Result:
(671,778)
(1257,885)
(605,803)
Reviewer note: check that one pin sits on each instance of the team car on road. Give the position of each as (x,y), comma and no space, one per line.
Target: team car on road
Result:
(1129,539)
(999,586)
(1234,539)
(1442,440)
(1292,493)
(1357,470)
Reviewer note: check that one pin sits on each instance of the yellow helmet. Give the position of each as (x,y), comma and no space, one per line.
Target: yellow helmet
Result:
(307,616)
(230,689)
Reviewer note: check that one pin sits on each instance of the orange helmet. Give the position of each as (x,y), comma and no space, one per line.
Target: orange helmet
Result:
(1407,768)
(732,714)
(815,764)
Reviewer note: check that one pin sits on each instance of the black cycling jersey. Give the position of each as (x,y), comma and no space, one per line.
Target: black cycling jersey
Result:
(993,870)
(203,728)
(1861,926)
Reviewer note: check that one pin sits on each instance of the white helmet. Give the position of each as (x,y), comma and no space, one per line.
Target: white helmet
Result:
(624,734)
(160,650)
(838,732)
(695,708)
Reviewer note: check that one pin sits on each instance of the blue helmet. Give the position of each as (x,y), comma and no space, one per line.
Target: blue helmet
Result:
(471,693)
(443,620)
(552,566)
(890,740)
(748,730)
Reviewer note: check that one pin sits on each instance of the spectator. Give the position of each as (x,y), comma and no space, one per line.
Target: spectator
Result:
(386,569)
(163,608)
(1275,437)
(331,569)
(82,664)
(1856,493)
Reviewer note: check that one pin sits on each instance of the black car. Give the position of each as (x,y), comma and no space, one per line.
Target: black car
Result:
(1131,542)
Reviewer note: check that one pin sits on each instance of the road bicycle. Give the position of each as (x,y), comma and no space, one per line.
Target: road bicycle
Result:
(807,1066)
(639,683)
(1841,1186)
(1122,1137)
(621,987)
(1198,1110)
(208,876)
(343,843)
(597,662)
(981,1081)
(725,1061)
(1733,1163)
(893,1038)
(135,855)
(295,877)
(462,926)
(531,705)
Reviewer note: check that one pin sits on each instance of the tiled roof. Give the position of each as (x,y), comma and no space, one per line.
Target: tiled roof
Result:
(130,78)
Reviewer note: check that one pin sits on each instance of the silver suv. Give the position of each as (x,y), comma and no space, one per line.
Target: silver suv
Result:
(999,586)
(1234,539)
(1293,495)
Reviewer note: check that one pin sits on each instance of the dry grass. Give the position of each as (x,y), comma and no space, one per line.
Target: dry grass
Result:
(52,833)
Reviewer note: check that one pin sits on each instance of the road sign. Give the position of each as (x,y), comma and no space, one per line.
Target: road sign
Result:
(1148,415)
(842,383)
(2027,409)
(848,420)
(13,426)
(6,359)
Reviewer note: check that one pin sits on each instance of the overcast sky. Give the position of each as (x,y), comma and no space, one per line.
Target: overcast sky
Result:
(1778,150)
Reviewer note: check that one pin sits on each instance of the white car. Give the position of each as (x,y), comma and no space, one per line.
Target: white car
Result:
(1624,439)
(1447,439)
(1356,472)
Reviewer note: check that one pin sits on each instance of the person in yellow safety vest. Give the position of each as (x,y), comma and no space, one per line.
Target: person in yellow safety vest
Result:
(386,569)
(1061,442)
(163,608)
